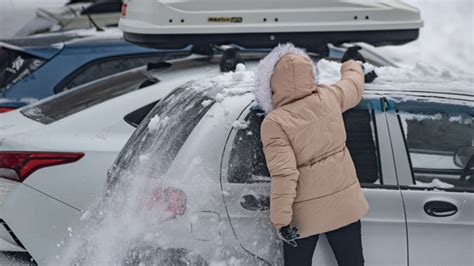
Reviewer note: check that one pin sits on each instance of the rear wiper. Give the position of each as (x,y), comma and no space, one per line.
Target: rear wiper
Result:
(91,20)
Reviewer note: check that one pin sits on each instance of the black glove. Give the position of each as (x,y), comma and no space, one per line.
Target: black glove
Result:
(370,77)
(289,235)
(352,53)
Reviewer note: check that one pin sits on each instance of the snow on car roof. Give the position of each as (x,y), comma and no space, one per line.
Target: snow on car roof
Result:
(407,82)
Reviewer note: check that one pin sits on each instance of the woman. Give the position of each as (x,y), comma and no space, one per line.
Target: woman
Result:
(314,187)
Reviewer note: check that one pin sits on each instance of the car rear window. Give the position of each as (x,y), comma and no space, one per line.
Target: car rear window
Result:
(178,114)
(88,95)
(15,66)
(107,67)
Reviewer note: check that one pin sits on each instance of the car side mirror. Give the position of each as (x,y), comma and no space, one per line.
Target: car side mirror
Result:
(463,155)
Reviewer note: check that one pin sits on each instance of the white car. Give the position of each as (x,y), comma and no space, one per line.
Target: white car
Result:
(74,15)
(197,157)
(63,145)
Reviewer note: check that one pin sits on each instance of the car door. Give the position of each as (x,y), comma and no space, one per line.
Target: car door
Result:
(246,187)
(438,193)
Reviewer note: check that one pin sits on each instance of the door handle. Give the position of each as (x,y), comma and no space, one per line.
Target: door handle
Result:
(252,203)
(437,208)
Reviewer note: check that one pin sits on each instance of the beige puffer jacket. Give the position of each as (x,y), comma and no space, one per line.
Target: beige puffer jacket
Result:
(314,184)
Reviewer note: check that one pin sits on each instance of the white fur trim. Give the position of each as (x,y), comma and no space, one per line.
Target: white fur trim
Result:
(264,72)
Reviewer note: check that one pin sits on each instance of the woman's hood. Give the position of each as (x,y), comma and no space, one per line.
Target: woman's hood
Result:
(286,71)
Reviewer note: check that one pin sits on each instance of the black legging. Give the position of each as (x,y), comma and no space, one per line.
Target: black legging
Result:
(345,242)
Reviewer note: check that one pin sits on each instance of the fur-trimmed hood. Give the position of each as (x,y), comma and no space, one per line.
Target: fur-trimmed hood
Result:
(264,73)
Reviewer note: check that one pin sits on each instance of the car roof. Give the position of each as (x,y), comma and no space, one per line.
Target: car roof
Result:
(441,93)
(43,52)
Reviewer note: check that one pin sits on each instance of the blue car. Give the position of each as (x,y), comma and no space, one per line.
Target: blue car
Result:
(28,74)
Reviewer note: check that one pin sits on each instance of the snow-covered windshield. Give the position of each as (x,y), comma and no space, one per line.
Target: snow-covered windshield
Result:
(15,66)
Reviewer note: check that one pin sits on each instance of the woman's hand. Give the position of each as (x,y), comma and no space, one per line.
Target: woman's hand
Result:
(289,235)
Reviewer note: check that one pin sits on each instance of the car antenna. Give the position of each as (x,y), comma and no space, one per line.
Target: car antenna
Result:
(91,20)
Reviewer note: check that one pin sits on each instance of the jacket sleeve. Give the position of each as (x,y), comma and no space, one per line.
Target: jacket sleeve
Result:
(281,163)
(350,88)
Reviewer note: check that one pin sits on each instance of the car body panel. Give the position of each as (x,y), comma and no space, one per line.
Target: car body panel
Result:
(20,210)
(433,240)
(384,222)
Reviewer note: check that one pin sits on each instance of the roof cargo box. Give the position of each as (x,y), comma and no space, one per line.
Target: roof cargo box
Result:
(265,23)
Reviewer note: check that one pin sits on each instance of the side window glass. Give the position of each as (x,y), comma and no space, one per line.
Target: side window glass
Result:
(247,161)
(434,135)
(363,145)
(106,68)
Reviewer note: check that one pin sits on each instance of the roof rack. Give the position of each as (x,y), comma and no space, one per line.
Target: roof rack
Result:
(258,23)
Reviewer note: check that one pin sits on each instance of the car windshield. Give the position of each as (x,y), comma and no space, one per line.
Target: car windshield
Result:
(163,132)
(88,95)
(15,66)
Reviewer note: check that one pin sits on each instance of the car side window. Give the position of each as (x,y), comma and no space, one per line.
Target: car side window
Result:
(104,68)
(434,134)
(247,161)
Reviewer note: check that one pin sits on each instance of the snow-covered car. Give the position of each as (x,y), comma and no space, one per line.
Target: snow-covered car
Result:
(74,15)
(191,184)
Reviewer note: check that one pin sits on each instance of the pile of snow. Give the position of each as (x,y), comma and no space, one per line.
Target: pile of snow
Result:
(154,123)
(435,183)
(239,125)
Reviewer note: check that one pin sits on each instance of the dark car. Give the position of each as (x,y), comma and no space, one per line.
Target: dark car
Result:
(28,74)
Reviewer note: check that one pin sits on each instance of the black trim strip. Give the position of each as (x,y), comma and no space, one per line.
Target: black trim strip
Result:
(380,186)
(377,143)
(310,40)
(441,171)
(17,241)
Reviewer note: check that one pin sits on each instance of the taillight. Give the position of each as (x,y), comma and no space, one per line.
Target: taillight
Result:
(170,200)
(124,9)
(6,109)
(18,166)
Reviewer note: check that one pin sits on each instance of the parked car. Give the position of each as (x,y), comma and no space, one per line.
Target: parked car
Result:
(122,100)
(74,15)
(28,74)
(214,171)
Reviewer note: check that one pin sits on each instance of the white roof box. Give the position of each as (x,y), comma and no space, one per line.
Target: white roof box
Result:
(265,23)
